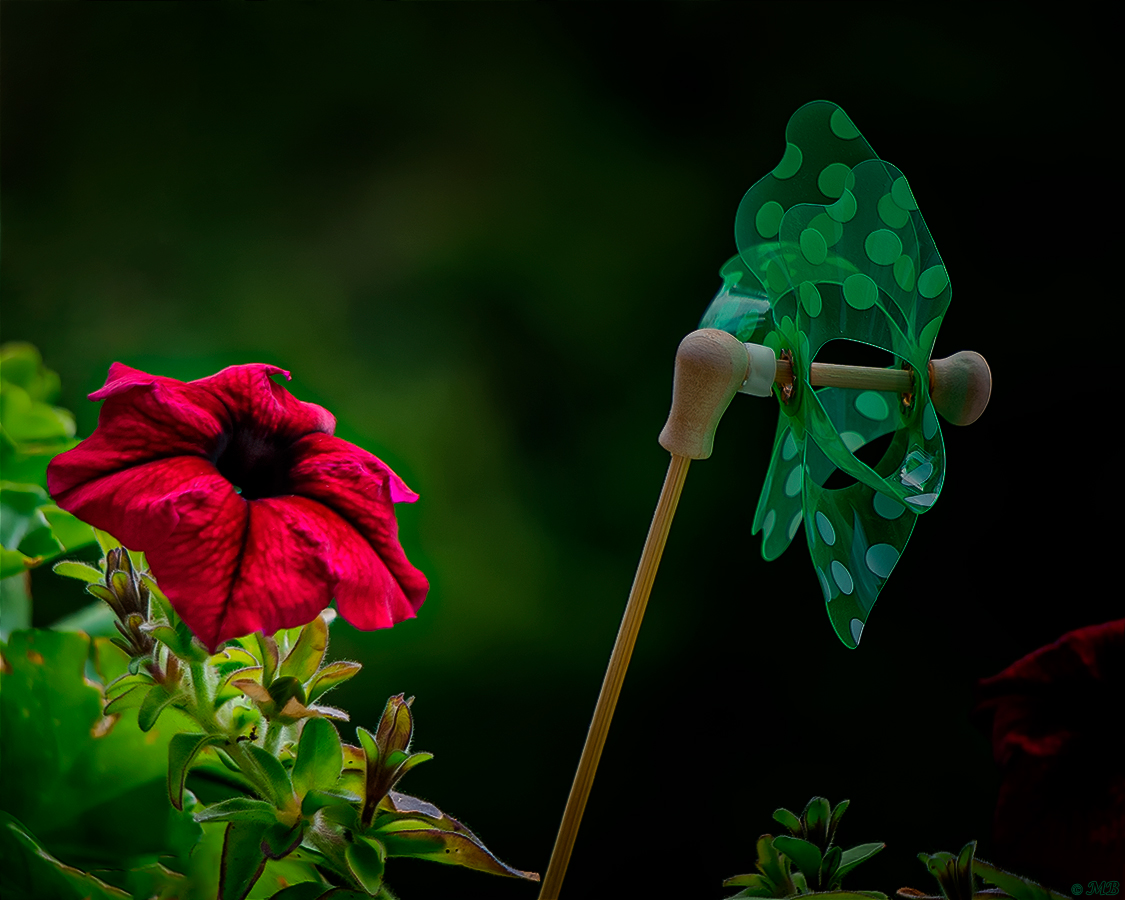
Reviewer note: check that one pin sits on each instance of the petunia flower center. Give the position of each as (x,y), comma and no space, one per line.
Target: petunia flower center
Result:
(256,464)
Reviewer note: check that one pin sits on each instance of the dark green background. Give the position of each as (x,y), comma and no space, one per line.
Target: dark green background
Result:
(476,234)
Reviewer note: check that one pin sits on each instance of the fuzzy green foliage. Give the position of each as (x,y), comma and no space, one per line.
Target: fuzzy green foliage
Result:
(956,877)
(300,810)
(806,861)
(33,530)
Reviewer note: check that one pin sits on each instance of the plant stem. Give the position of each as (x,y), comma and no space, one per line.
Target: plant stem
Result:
(273,736)
(204,703)
(250,768)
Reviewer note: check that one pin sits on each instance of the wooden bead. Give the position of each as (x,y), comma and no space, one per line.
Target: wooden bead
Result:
(960,386)
(711,365)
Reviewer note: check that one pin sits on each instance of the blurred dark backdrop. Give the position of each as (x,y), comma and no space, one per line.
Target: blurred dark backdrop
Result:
(476,233)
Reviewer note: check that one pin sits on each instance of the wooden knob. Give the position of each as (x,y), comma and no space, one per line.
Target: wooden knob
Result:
(960,386)
(711,365)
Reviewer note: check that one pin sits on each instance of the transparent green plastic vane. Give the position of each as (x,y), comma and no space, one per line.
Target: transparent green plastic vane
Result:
(831,245)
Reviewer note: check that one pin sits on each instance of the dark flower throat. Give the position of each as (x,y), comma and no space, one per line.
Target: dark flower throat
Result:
(256,464)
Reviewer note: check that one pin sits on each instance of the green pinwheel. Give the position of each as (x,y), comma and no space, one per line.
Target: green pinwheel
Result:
(831,245)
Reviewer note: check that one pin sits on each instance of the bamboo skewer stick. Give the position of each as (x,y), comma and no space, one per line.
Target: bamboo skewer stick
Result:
(615,676)
(710,366)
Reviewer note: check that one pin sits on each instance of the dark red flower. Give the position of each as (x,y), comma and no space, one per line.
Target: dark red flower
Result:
(1054,719)
(252,515)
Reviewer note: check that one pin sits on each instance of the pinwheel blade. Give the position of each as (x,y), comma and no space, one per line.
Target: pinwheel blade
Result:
(832,247)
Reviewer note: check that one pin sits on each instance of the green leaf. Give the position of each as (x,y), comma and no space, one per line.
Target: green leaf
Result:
(133,697)
(306,890)
(182,751)
(106,541)
(817,817)
(786,818)
(126,683)
(227,690)
(805,856)
(281,788)
(13,563)
(30,421)
(837,815)
(279,839)
(330,676)
(268,656)
(29,871)
(319,757)
(965,860)
(84,781)
(24,533)
(366,860)
(857,854)
(775,867)
(205,865)
(22,365)
(79,570)
(305,657)
(284,688)
(69,530)
(370,748)
(159,606)
(1014,886)
(170,638)
(314,801)
(238,809)
(242,860)
(829,877)
(845,895)
(96,619)
(762,886)
(155,702)
(410,762)
(232,657)
(15,605)
(455,848)
(28,522)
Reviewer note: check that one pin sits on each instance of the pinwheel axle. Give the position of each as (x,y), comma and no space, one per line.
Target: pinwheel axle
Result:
(960,384)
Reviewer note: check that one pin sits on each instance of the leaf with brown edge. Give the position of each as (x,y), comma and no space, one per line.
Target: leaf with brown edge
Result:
(182,750)
(131,697)
(252,689)
(242,860)
(365,859)
(330,676)
(155,702)
(414,836)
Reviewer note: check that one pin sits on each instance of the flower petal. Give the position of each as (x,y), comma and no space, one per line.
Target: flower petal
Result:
(145,418)
(148,417)
(251,396)
(140,505)
(233,567)
(361,489)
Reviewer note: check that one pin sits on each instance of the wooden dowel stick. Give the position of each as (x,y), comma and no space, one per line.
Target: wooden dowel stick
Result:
(864,378)
(615,676)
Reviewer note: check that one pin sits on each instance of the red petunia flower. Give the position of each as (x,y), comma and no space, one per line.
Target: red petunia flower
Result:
(1054,719)
(252,515)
